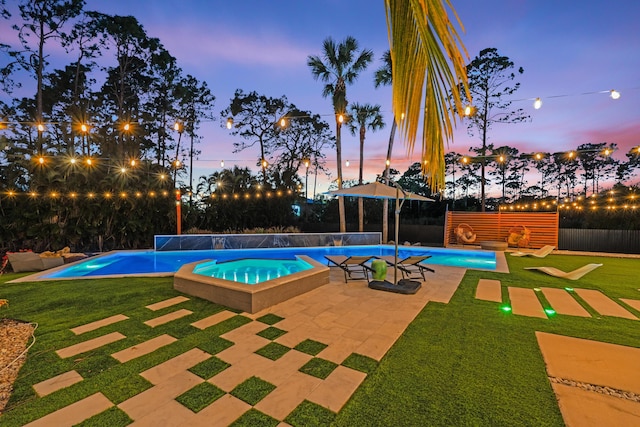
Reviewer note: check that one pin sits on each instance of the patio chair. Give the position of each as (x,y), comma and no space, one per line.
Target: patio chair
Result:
(410,266)
(571,275)
(519,236)
(465,234)
(540,253)
(354,267)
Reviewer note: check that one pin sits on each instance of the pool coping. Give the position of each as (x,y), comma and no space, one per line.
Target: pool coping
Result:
(250,298)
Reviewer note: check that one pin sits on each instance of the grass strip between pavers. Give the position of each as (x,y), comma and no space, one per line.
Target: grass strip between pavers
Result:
(270,319)
(273,351)
(252,390)
(271,333)
(319,368)
(360,363)
(255,418)
(311,347)
(309,414)
(209,368)
(200,396)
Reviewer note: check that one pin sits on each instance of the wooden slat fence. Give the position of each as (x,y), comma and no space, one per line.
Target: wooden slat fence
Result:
(496,226)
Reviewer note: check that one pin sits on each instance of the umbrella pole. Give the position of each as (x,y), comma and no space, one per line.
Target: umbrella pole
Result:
(395,259)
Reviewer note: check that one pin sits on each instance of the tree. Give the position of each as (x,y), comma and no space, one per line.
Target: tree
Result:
(361,118)
(428,66)
(255,119)
(43,20)
(384,77)
(340,65)
(490,81)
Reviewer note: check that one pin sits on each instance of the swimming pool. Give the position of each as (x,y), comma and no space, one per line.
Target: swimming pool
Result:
(119,263)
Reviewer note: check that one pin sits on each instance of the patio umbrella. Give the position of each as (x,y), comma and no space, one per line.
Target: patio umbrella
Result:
(378,190)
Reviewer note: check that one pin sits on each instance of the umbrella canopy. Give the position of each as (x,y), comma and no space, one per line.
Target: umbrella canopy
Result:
(378,190)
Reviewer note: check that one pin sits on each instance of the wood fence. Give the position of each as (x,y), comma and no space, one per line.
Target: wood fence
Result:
(495,226)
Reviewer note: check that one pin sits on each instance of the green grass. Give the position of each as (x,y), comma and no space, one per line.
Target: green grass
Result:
(209,368)
(462,363)
(271,333)
(200,396)
(255,418)
(319,368)
(270,319)
(252,390)
(310,347)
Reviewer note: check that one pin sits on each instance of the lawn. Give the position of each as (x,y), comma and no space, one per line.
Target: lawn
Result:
(462,363)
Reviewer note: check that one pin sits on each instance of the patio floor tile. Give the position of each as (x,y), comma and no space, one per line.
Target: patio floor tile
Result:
(246,330)
(222,412)
(166,303)
(563,303)
(339,350)
(288,395)
(524,302)
(337,388)
(282,369)
(168,369)
(161,320)
(98,324)
(74,413)
(376,346)
(242,349)
(250,366)
(89,345)
(585,408)
(143,348)
(169,414)
(56,383)
(632,302)
(591,362)
(155,397)
(603,304)
(213,320)
(489,290)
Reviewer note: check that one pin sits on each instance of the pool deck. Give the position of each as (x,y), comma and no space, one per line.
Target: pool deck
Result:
(348,318)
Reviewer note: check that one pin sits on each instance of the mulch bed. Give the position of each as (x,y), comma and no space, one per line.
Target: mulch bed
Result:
(15,336)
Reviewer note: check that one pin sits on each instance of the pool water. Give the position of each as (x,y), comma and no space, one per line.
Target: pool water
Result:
(149,262)
(251,271)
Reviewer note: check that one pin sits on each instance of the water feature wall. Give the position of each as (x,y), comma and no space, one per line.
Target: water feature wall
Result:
(184,242)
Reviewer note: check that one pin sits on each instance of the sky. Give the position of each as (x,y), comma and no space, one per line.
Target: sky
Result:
(572,55)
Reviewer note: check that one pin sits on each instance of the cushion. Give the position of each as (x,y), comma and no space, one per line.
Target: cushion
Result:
(25,261)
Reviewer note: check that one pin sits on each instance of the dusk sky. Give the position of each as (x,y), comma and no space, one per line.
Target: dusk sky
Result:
(570,52)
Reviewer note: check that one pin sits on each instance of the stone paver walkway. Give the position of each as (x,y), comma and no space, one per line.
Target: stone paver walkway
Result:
(56,383)
(99,324)
(166,303)
(594,365)
(525,302)
(489,290)
(563,303)
(632,302)
(603,304)
(143,348)
(161,320)
(74,413)
(89,345)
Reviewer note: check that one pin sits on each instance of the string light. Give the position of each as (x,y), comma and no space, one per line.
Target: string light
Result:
(614,94)
(537,103)
(229,123)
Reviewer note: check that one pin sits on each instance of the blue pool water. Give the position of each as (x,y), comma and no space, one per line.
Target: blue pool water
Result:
(252,271)
(150,262)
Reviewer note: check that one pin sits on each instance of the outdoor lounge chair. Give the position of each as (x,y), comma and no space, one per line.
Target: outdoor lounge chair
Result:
(519,236)
(571,275)
(411,266)
(30,261)
(354,267)
(540,253)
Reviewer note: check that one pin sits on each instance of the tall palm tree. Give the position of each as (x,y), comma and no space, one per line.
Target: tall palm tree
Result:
(428,65)
(384,77)
(340,65)
(363,117)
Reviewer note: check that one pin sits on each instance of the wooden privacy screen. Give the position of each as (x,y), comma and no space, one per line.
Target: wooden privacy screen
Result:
(496,226)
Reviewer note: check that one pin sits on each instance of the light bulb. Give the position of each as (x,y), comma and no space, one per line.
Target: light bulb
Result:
(614,94)
(537,103)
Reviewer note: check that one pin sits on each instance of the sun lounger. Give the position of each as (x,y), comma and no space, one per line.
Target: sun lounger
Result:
(571,275)
(354,267)
(411,266)
(540,253)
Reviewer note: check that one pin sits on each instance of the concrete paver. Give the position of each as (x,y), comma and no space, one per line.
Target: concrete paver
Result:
(337,388)
(591,362)
(166,303)
(585,408)
(56,383)
(489,290)
(89,345)
(174,315)
(524,302)
(238,372)
(98,324)
(213,320)
(286,397)
(143,348)
(168,369)
(603,304)
(635,303)
(563,303)
(282,369)
(222,412)
(75,413)
(169,414)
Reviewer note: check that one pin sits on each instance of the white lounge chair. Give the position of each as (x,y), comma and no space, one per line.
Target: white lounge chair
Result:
(540,253)
(571,275)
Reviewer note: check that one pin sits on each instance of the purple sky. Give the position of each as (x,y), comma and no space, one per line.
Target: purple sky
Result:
(568,51)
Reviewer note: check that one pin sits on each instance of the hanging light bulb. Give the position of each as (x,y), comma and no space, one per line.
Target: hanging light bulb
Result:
(614,94)
(229,123)
(264,163)
(221,163)
(84,128)
(468,110)
(388,162)
(340,118)
(346,163)
(537,103)
(283,122)
(126,127)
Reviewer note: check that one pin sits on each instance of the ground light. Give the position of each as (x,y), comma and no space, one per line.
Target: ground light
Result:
(550,311)
(506,308)
(568,289)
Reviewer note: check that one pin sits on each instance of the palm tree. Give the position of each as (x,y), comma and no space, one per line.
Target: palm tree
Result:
(364,117)
(340,65)
(384,77)
(428,64)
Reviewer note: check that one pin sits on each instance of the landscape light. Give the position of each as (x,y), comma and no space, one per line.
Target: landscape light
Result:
(550,311)
(126,127)
(84,128)
(505,308)
(340,118)
(40,127)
